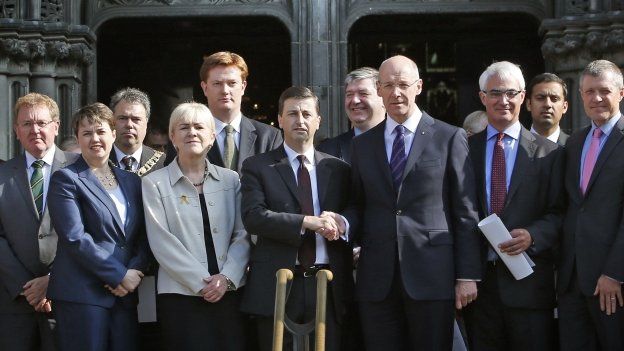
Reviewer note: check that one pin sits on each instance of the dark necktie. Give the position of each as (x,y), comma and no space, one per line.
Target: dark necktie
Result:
(498,179)
(128,162)
(398,158)
(36,185)
(307,250)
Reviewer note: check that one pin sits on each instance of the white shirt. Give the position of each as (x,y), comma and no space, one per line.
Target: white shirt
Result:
(120,202)
(136,155)
(410,128)
(221,134)
(553,137)
(48,159)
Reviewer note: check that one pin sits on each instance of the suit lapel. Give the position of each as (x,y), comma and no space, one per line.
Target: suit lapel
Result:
(146,154)
(23,183)
(613,140)
(214,155)
(323,173)
(422,136)
(524,158)
(282,166)
(113,158)
(576,151)
(345,145)
(379,151)
(479,143)
(247,139)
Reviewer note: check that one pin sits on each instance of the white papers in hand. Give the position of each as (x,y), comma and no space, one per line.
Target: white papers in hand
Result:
(494,230)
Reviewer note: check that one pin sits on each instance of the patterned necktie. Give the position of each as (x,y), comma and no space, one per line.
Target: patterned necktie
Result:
(307,250)
(590,158)
(398,158)
(230,153)
(36,185)
(128,162)
(498,179)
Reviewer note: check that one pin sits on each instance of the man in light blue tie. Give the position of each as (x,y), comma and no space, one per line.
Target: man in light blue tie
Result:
(591,271)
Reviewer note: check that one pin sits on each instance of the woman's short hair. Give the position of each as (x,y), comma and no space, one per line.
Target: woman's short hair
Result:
(191,112)
(96,113)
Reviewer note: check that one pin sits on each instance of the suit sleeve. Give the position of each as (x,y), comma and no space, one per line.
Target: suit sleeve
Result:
(238,251)
(258,218)
(464,214)
(356,203)
(277,140)
(13,274)
(67,218)
(545,230)
(143,255)
(171,254)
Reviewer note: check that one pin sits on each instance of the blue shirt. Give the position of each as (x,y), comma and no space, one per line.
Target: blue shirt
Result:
(510,147)
(606,130)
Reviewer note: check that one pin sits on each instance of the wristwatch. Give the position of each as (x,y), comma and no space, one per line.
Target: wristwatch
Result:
(230,285)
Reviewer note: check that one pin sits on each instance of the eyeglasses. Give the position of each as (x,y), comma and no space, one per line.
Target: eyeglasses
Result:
(401,86)
(29,124)
(497,94)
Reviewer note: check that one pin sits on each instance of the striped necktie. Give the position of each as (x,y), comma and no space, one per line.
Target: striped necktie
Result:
(36,185)
(397,157)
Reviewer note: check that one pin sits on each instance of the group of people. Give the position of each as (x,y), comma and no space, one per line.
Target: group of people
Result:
(400,194)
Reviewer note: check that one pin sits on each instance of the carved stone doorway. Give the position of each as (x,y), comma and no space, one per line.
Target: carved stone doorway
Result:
(162,56)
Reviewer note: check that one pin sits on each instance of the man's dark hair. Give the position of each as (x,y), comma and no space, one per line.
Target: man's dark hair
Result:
(298,93)
(547,78)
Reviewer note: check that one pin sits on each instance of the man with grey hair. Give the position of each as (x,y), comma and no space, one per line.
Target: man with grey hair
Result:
(519,177)
(131,109)
(591,270)
(475,122)
(364,109)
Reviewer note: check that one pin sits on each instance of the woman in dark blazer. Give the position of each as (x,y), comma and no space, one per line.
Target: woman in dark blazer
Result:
(97,212)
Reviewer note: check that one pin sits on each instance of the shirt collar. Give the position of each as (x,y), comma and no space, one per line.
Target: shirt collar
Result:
(175,173)
(292,155)
(48,158)
(607,127)
(357,131)
(512,131)
(410,124)
(236,122)
(552,137)
(136,155)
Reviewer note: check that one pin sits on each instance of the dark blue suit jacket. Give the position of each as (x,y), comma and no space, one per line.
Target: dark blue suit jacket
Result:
(94,247)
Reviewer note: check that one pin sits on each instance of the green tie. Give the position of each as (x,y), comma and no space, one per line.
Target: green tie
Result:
(230,153)
(36,185)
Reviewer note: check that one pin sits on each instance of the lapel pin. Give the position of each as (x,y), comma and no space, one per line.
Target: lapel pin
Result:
(184,200)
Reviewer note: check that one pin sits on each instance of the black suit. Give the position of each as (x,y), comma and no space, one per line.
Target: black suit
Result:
(270,210)
(339,146)
(592,245)
(523,308)
(563,138)
(255,138)
(416,243)
(21,229)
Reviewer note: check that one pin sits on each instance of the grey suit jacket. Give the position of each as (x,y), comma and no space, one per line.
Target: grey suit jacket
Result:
(593,227)
(20,231)
(534,202)
(255,138)
(431,223)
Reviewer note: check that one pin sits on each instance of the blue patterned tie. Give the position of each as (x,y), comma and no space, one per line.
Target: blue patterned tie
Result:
(398,158)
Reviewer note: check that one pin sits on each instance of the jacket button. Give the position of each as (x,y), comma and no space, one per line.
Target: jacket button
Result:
(215,230)
(41,236)
(398,212)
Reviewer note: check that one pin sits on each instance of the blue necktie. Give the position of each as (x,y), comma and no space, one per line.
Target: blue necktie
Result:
(398,158)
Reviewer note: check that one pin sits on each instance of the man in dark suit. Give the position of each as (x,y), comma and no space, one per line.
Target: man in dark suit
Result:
(364,109)
(223,81)
(548,102)
(413,211)
(591,271)
(131,109)
(27,239)
(284,195)
(519,177)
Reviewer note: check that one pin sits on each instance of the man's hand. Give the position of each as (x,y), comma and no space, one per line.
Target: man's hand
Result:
(45,306)
(326,226)
(216,286)
(521,240)
(465,293)
(610,294)
(119,291)
(342,226)
(356,255)
(35,291)
(131,280)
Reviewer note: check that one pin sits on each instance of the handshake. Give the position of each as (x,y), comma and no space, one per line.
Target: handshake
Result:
(329,224)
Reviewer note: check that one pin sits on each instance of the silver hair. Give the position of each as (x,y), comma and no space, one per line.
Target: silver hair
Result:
(191,112)
(475,122)
(602,68)
(362,73)
(131,95)
(503,70)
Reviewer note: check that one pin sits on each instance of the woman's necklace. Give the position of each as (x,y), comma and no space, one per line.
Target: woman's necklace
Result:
(106,178)
(203,178)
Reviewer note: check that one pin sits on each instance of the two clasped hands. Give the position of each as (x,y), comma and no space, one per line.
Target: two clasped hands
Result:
(330,225)
(128,284)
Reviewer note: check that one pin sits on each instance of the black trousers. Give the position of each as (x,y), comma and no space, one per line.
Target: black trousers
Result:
(191,323)
(26,332)
(301,308)
(400,323)
(492,326)
(583,326)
